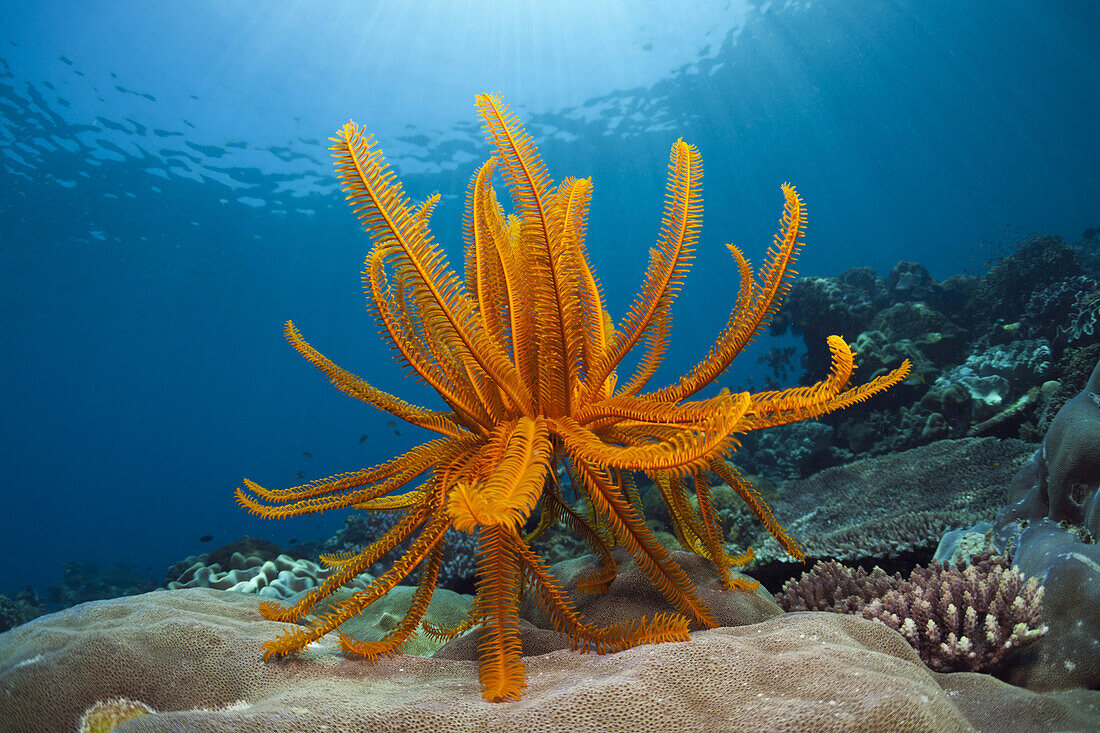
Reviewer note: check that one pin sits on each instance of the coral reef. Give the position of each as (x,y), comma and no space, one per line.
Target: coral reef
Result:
(21,608)
(1057,303)
(817,307)
(1083,319)
(991,379)
(1004,292)
(983,348)
(789,451)
(193,652)
(958,618)
(837,588)
(88,581)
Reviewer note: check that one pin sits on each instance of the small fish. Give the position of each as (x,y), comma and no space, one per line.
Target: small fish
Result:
(292,540)
(205,538)
(362,439)
(1090,233)
(397,433)
(306,454)
(391,423)
(299,474)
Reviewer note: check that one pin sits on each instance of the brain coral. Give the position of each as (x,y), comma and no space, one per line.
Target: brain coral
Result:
(192,656)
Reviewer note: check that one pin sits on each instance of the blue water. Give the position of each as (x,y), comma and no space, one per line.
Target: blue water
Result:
(168,203)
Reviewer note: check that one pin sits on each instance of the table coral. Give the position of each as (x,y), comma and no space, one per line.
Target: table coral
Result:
(882,507)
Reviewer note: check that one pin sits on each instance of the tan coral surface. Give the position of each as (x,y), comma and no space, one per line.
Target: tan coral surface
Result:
(195,652)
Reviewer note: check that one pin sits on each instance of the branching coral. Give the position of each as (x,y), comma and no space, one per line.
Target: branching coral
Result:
(958,619)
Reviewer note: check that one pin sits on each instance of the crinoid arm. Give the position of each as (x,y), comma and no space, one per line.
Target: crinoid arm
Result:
(344,490)
(500,652)
(756,503)
(669,263)
(802,403)
(756,304)
(387,216)
(509,492)
(654,560)
(523,355)
(348,568)
(395,638)
(294,641)
(604,639)
(360,389)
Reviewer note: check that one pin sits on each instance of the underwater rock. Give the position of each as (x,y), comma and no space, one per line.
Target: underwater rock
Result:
(898,503)
(193,656)
(1052,519)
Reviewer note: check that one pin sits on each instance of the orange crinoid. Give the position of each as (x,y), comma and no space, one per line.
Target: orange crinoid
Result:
(523,353)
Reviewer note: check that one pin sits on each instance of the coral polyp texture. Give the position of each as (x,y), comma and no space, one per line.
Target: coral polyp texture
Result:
(524,354)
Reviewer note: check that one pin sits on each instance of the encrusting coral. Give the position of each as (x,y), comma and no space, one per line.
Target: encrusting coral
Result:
(958,619)
(524,355)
